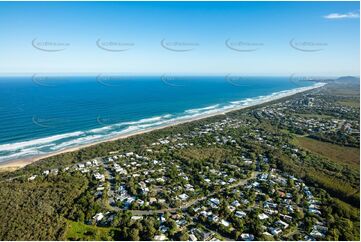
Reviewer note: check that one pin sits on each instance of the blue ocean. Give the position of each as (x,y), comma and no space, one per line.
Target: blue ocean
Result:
(43,114)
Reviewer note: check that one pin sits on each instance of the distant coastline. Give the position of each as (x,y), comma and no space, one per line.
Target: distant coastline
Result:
(21,162)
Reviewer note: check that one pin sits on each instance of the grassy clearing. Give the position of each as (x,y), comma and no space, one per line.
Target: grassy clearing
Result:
(350,90)
(80,231)
(340,154)
(351,102)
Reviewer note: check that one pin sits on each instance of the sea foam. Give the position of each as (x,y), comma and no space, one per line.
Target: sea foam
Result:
(73,139)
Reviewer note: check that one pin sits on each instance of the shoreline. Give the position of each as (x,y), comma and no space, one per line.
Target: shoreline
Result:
(15,164)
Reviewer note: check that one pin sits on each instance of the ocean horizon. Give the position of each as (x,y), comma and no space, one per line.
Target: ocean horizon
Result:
(45,114)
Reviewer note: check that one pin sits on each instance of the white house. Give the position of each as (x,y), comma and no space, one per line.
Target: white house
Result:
(263,216)
(247,237)
(98,217)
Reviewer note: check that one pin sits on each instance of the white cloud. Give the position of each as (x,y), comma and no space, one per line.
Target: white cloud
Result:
(342,15)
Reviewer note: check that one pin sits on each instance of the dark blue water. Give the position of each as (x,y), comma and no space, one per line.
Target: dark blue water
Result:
(41,114)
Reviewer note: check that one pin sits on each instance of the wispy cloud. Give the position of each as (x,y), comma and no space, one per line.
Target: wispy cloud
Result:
(342,15)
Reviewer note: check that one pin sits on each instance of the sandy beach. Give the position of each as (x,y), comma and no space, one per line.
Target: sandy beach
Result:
(19,163)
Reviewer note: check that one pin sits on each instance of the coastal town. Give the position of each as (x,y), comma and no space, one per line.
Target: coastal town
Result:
(225,179)
(275,200)
(180,120)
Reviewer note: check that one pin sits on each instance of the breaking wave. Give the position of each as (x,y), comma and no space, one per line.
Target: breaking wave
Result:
(74,139)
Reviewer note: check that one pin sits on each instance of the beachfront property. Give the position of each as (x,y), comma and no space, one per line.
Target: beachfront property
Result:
(180,121)
(245,189)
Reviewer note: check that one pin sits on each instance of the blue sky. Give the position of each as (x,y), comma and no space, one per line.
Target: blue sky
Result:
(249,38)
